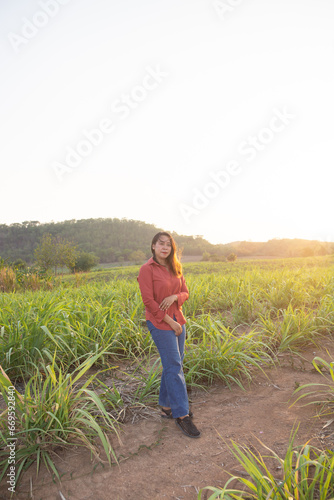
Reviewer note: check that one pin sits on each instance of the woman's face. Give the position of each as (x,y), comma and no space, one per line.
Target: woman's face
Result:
(162,247)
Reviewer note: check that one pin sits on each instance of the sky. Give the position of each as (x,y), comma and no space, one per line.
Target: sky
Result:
(204,117)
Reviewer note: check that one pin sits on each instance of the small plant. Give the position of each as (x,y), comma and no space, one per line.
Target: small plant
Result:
(7,279)
(31,281)
(307,475)
(325,391)
(134,394)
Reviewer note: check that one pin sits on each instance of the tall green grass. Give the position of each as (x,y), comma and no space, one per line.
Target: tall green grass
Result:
(75,322)
(78,321)
(214,351)
(56,409)
(292,328)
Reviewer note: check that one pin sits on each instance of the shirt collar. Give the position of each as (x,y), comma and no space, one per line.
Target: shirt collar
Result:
(154,262)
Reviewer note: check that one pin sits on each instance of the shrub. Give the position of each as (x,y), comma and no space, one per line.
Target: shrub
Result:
(19,264)
(84,262)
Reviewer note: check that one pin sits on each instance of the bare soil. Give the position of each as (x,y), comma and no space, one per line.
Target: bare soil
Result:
(157,461)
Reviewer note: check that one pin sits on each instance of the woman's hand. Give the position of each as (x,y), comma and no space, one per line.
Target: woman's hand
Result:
(167,302)
(174,325)
(177,328)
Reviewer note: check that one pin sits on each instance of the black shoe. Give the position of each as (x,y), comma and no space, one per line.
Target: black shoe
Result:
(187,427)
(168,413)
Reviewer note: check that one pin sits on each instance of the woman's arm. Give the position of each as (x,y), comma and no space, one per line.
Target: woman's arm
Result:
(183,295)
(146,288)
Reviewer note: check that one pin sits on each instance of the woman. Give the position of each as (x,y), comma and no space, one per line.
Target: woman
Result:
(163,291)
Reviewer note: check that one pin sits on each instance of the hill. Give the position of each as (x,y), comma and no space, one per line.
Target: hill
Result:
(114,240)
(111,240)
(278,248)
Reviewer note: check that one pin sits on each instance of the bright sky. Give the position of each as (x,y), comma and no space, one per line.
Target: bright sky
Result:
(207,117)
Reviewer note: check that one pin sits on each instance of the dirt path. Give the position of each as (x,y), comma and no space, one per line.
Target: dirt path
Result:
(159,462)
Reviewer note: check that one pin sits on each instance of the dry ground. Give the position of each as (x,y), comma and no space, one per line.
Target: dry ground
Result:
(158,462)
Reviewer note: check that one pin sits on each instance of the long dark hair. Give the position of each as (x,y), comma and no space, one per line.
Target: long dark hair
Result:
(172,260)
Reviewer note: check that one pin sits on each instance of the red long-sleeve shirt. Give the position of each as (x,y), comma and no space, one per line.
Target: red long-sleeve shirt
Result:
(156,283)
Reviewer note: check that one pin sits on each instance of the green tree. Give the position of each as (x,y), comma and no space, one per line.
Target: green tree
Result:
(206,256)
(231,257)
(44,253)
(65,253)
(54,252)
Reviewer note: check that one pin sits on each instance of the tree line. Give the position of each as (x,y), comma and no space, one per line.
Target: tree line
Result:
(118,240)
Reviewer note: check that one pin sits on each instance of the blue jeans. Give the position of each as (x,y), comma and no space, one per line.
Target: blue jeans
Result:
(173,390)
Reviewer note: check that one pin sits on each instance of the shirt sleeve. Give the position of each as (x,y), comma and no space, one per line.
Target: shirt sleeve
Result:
(146,288)
(183,295)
